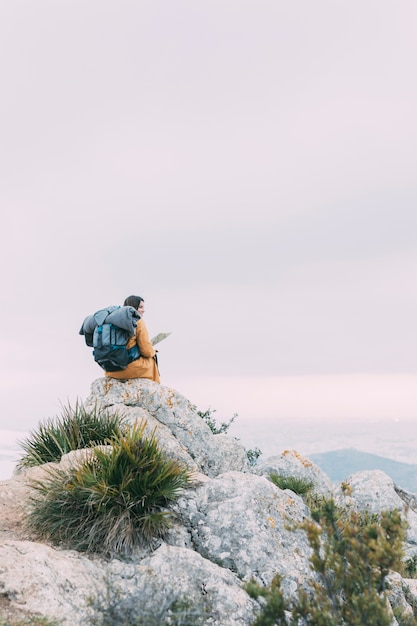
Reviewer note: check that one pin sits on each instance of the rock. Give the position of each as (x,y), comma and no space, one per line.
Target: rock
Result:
(411,590)
(53,583)
(207,589)
(213,454)
(409,498)
(74,589)
(172,446)
(246,524)
(397,592)
(231,525)
(290,463)
(14,495)
(374,491)
(371,491)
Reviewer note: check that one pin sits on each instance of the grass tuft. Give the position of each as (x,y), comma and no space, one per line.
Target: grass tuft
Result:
(76,428)
(113,502)
(297,484)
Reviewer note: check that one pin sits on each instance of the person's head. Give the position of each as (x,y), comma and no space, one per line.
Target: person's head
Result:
(137,302)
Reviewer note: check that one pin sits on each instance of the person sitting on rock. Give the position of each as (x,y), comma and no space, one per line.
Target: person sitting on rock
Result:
(146,366)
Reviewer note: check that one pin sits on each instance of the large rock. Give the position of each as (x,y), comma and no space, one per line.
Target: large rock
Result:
(374,491)
(231,525)
(247,525)
(74,589)
(291,463)
(212,454)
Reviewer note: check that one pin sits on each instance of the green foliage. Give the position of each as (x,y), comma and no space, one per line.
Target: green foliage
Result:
(411,567)
(215,428)
(352,554)
(274,605)
(253,455)
(297,484)
(76,428)
(114,501)
(403,620)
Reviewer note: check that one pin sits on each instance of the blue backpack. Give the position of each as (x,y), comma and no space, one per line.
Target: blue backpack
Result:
(109,340)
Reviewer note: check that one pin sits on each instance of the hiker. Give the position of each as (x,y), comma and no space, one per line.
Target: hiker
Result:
(146,365)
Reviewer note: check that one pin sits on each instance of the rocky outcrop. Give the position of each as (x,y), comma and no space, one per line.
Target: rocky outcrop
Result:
(243,522)
(184,429)
(74,589)
(374,491)
(232,525)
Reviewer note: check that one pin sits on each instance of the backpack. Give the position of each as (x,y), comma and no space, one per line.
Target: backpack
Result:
(109,340)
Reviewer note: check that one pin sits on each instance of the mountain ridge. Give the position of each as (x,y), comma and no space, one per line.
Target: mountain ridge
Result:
(340,464)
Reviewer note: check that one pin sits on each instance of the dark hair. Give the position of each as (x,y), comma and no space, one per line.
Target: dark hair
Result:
(133,301)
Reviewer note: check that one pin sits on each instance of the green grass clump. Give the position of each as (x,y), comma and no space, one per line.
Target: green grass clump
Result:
(114,501)
(76,428)
(297,484)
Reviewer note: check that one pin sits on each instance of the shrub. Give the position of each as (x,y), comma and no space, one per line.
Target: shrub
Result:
(351,557)
(411,567)
(297,484)
(253,454)
(215,428)
(76,428)
(112,502)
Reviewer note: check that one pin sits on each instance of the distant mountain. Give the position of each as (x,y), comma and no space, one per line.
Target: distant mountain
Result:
(340,464)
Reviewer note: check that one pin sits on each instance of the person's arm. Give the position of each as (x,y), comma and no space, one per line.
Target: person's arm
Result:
(146,349)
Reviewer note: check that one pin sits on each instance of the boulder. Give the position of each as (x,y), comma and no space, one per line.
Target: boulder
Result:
(77,591)
(212,454)
(247,525)
(374,491)
(230,526)
(291,463)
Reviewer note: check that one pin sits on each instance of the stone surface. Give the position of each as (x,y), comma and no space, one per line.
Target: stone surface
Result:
(371,491)
(233,524)
(246,524)
(172,446)
(290,463)
(374,491)
(73,589)
(213,454)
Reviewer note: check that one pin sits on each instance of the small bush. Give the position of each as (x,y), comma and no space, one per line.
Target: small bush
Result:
(215,428)
(76,428)
(253,455)
(222,428)
(113,502)
(297,484)
(352,555)
(410,568)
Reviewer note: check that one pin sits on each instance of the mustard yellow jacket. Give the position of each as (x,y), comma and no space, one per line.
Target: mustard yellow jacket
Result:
(145,366)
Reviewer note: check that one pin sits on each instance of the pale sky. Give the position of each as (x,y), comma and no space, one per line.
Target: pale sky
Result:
(247,167)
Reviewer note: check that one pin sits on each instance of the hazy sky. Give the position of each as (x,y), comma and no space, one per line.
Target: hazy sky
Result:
(249,168)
